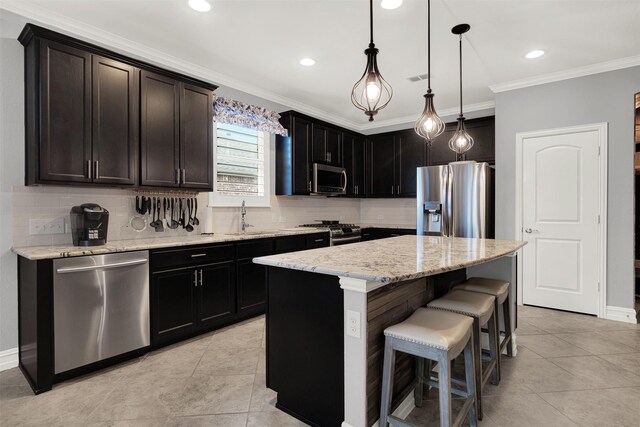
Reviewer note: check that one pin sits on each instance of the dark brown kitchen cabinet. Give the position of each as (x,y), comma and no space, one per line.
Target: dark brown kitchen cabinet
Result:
(326,145)
(173,303)
(392,160)
(176,133)
(252,278)
(293,168)
(482,130)
(88,117)
(93,116)
(216,292)
(353,149)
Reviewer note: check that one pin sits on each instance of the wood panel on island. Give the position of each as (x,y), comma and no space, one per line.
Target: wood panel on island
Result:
(95,117)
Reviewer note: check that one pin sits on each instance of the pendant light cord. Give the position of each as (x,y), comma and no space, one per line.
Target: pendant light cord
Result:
(371,22)
(460,75)
(429,46)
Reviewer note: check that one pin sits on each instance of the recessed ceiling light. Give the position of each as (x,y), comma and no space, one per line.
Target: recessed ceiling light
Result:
(200,5)
(307,62)
(391,4)
(534,54)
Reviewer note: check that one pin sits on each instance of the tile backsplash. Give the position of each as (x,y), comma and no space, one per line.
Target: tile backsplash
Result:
(51,203)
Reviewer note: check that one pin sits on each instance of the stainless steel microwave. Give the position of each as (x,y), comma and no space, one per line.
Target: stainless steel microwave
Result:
(328,180)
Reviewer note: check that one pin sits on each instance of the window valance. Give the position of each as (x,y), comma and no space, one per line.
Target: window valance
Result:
(237,113)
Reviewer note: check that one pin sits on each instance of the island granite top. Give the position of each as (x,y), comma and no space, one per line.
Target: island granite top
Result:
(395,259)
(65,251)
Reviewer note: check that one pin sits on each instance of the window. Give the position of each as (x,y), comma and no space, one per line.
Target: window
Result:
(241,172)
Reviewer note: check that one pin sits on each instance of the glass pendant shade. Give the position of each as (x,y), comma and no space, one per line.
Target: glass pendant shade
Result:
(371,93)
(461,141)
(429,125)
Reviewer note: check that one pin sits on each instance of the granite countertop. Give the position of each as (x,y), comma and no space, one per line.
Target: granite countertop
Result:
(50,252)
(397,259)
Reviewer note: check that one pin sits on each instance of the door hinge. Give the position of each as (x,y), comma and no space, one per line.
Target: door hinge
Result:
(598,150)
(598,286)
(598,219)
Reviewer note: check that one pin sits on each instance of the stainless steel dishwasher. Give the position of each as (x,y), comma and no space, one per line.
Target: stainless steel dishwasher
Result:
(101,307)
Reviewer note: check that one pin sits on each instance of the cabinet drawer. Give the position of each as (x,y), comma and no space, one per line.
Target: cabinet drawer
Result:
(317,241)
(290,244)
(191,255)
(254,248)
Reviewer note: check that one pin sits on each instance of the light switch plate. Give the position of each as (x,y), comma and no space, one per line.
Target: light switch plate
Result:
(353,324)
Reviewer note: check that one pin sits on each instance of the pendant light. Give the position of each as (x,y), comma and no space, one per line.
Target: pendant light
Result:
(371,93)
(461,141)
(429,125)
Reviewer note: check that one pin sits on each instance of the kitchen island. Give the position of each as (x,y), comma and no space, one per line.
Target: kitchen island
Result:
(327,309)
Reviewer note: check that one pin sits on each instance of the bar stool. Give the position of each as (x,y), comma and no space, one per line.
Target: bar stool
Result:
(500,290)
(481,308)
(439,336)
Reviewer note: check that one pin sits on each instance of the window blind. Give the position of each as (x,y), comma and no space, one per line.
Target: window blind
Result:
(240,162)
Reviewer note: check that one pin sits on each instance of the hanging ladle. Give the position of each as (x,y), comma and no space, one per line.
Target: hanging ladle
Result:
(189,227)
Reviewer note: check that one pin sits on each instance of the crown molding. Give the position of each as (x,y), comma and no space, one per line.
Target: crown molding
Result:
(442,113)
(75,28)
(601,67)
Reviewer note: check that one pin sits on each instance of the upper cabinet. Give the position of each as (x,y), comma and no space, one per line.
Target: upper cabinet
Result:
(353,152)
(293,170)
(482,131)
(97,117)
(326,145)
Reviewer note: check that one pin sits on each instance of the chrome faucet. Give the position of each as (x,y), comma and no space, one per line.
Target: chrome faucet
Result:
(243,214)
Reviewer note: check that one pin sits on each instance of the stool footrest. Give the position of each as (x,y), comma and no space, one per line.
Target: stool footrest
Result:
(457,392)
(398,422)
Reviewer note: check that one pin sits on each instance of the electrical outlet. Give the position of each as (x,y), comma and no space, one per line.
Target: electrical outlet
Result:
(353,324)
(46,226)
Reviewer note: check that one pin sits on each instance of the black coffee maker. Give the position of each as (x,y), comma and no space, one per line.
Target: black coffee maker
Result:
(89,223)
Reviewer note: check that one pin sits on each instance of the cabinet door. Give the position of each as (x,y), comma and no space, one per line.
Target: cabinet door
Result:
(319,144)
(410,154)
(301,136)
(347,146)
(173,310)
(196,137)
(483,133)
(357,176)
(252,285)
(439,153)
(381,162)
(114,121)
(216,296)
(160,126)
(65,103)
(333,147)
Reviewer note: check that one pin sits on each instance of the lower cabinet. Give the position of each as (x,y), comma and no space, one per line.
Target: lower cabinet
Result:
(375,233)
(185,300)
(252,282)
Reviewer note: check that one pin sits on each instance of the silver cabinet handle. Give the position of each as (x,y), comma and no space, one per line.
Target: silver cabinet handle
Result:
(392,187)
(198,255)
(100,267)
(177,176)
(195,278)
(319,240)
(398,192)
(96,174)
(184,176)
(344,173)
(200,277)
(309,186)
(89,169)
(531,230)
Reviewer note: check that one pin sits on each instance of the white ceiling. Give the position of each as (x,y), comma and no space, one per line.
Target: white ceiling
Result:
(255,45)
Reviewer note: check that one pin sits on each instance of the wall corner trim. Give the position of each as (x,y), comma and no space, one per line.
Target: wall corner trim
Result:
(621,314)
(8,359)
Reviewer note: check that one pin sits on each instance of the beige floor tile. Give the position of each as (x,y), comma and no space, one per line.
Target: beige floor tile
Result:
(523,410)
(228,361)
(272,419)
(528,311)
(247,338)
(595,343)
(550,346)
(540,375)
(591,408)
(213,395)
(527,328)
(629,396)
(630,362)
(629,338)
(523,353)
(224,420)
(262,398)
(559,324)
(597,372)
(507,386)
(429,414)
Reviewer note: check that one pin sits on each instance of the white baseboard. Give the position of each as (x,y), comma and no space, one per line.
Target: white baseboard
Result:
(8,359)
(620,314)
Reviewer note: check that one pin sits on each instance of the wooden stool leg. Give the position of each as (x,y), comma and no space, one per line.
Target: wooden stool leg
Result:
(419,390)
(469,369)
(494,347)
(387,381)
(444,386)
(428,369)
(506,313)
(478,365)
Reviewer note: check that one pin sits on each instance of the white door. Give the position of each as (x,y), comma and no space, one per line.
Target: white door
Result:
(560,214)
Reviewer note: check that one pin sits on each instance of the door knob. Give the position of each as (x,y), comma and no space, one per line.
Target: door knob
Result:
(530,230)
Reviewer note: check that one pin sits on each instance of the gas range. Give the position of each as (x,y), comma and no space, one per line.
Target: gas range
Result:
(340,233)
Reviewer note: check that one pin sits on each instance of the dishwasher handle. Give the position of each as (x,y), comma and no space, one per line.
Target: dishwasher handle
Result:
(101,267)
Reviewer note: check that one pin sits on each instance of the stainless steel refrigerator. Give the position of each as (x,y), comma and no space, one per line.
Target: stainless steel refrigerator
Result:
(456,200)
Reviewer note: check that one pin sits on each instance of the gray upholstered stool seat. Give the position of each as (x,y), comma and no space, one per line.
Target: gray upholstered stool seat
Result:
(481,307)
(439,336)
(500,290)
